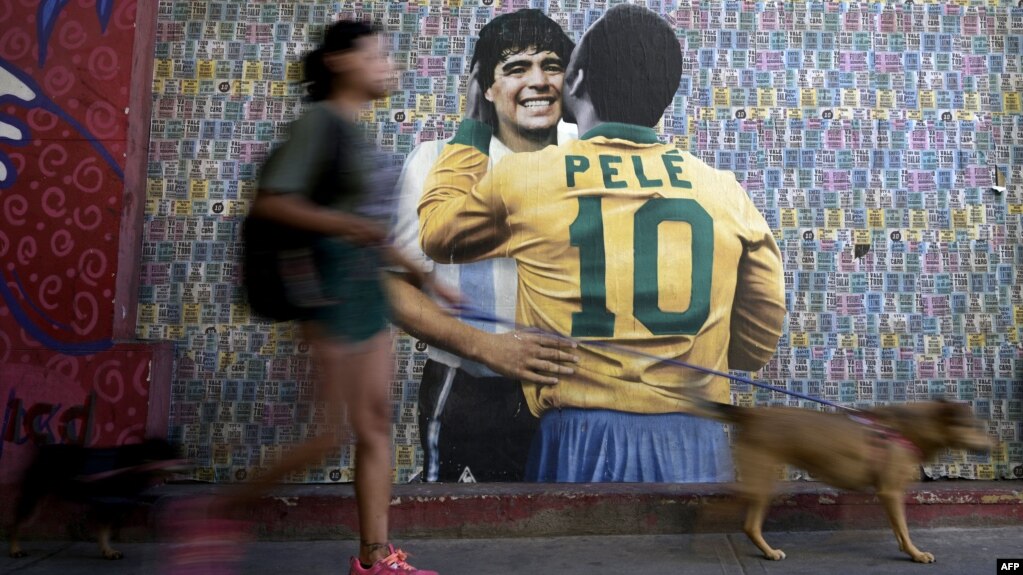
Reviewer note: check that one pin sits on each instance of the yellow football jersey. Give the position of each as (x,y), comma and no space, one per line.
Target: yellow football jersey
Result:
(619,239)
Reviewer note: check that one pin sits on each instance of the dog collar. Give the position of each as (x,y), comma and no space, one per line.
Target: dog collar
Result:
(888,434)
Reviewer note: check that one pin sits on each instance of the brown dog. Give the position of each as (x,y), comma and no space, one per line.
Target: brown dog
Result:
(880,449)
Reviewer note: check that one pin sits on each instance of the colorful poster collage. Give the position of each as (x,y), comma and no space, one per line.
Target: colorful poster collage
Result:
(882,142)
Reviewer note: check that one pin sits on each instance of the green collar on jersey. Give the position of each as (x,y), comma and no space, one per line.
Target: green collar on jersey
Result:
(617,131)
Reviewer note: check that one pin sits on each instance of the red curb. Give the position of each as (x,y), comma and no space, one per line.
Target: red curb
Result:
(308,512)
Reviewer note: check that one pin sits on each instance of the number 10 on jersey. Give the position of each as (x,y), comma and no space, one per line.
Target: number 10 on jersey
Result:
(587,234)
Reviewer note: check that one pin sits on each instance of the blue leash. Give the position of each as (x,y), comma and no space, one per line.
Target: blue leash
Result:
(468,312)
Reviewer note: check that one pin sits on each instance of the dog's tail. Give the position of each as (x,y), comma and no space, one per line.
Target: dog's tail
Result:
(723,412)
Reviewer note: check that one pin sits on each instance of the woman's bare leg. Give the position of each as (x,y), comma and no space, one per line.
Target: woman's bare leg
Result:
(369,407)
(359,376)
(336,373)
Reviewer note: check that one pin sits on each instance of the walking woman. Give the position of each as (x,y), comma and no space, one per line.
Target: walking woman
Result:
(327,182)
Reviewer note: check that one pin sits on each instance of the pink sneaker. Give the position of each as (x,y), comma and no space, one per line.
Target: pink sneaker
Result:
(392,564)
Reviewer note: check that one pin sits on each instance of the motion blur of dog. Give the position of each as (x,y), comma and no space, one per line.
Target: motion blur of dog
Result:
(880,449)
(108,480)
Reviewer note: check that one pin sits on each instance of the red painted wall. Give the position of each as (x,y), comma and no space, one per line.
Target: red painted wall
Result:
(73,138)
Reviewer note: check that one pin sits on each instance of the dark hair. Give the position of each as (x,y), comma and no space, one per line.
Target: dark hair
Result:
(633,65)
(513,33)
(340,36)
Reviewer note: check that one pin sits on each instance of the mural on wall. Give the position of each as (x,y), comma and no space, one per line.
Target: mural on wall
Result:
(64,88)
(46,397)
(868,135)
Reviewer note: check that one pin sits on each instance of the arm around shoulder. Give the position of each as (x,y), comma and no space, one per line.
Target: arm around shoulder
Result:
(758,311)
(461,217)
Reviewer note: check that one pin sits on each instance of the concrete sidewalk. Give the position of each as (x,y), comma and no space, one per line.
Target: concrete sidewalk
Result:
(958,552)
(496,510)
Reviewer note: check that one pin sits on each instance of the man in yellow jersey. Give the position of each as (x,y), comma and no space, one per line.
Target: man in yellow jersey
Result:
(619,240)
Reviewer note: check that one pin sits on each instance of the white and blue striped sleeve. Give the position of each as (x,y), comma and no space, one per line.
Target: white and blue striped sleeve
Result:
(410,189)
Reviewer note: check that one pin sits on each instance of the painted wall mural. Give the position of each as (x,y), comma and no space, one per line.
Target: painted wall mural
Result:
(883,143)
(64,92)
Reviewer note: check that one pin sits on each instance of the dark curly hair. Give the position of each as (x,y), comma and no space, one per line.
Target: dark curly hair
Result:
(513,33)
(633,65)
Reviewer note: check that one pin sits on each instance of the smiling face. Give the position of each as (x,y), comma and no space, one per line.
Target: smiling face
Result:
(526,93)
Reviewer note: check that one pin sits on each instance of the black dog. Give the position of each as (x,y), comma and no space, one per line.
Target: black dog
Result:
(108,480)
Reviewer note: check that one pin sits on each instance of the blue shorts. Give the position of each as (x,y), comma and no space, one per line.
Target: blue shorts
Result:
(351,280)
(598,445)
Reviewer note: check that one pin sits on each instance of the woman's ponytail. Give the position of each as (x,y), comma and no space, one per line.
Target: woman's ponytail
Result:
(318,78)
